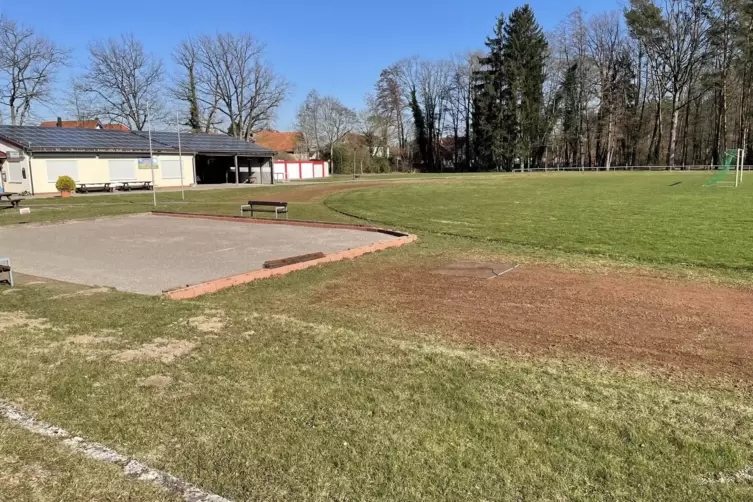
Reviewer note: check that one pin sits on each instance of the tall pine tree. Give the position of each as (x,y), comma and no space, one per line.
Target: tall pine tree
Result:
(509,122)
(491,148)
(524,50)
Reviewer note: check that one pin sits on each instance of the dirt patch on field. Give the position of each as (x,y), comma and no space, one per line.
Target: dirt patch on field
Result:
(90,340)
(211,321)
(155,382)
(82,293)
(160,349)
(16,320)
(620,317)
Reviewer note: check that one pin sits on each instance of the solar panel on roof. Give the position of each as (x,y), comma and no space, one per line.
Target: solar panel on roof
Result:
(64,139)
(208,143)
(48,139)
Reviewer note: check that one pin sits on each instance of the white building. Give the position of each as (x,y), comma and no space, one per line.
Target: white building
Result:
(32,158)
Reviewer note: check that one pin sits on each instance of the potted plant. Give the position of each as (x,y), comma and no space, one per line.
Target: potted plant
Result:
(65,186)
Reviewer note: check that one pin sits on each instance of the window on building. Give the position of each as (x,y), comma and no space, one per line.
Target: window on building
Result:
(15,171)
(122,169)
(170,169)
(58,168)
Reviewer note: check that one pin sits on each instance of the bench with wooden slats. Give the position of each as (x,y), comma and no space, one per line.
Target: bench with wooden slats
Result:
(265,206)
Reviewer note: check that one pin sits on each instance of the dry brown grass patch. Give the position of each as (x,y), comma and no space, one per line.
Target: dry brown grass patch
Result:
(155,381)
(161,349)
(211,321)
(82,293)
(19,320)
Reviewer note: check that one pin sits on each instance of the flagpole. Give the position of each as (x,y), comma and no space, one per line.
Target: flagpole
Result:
(151,154)
(180,156)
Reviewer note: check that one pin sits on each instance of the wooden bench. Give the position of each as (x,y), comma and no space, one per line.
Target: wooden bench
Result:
(127,186)
(265,206)
(94,187)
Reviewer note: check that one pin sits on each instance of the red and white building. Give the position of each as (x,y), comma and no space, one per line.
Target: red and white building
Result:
(289,170)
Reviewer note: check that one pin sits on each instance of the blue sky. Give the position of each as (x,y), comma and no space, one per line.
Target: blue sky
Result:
(336,47)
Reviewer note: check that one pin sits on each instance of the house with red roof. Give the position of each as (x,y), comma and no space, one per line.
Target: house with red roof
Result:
(84,124)
(287,144)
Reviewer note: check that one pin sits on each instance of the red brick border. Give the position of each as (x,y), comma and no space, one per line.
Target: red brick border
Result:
(235,280)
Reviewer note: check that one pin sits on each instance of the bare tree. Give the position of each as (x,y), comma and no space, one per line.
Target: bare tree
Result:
(460,103)
(28,65)
(200,118)
(433,86)
(123,80)
(324,121)
(307,122)
(392,102)
(77,105)
(606,48)
(375,126)
(232,79)
(336,121)
(675,35)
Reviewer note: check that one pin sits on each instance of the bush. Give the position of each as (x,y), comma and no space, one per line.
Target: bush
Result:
(65,184)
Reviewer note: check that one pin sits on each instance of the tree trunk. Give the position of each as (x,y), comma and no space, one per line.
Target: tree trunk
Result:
(610,127)
(696,140)
(639,127)
(685,136)
(672,133)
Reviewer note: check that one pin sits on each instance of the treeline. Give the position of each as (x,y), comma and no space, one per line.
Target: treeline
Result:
(219,83)
(658,83)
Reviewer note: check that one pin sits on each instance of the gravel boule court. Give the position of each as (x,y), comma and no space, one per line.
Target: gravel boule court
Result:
(157,253)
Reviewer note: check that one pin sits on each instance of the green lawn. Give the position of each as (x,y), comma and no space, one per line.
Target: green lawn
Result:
(269,406)
(638,216)
(219,201)
(273,393)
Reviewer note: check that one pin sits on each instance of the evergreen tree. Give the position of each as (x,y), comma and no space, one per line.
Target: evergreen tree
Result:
(509,119)
(524,50)
(490,145)
(420,124)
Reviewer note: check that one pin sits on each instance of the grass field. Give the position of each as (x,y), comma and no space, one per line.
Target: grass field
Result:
(643,216)
(350,393)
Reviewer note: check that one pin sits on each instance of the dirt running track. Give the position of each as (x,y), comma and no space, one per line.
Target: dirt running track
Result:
(622,317)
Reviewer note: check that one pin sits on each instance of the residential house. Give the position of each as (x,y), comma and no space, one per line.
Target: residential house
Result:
(84,124)
(286,144)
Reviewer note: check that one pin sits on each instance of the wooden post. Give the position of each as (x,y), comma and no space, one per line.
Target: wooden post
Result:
(236,169)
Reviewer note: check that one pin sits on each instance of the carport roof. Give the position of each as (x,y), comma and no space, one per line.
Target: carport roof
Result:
(58,139)
(208,144)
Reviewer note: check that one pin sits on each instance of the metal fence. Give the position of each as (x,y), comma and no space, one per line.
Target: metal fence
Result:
(623,168)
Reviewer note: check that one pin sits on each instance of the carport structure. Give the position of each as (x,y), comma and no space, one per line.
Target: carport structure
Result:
(221,159)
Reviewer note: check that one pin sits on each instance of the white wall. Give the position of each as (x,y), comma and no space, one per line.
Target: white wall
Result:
(98,170)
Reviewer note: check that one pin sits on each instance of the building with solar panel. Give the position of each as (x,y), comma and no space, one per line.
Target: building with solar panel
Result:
(32,159)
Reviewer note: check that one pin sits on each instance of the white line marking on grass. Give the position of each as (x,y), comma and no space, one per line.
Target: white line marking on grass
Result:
(131,467)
